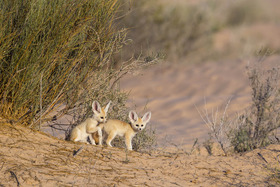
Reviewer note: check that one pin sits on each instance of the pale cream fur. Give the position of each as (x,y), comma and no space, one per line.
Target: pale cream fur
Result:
(91,125)
(116,127)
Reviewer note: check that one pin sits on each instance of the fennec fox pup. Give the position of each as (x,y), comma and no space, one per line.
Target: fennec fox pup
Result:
(120,128)
(84,130)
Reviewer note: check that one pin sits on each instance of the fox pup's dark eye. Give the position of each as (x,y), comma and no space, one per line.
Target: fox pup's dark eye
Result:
(137,125)
(102,117)
(142,125)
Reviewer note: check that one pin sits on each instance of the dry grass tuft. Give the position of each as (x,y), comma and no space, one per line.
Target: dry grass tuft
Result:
(219,125)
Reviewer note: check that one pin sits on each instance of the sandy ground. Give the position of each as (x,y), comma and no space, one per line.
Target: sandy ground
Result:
(30,158)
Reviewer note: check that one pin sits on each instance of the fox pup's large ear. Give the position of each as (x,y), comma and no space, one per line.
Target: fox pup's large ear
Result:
(132,116)
(107,106)
(146,118)
(96,107)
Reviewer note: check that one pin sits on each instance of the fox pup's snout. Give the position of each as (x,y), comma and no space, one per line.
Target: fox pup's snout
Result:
(139,126)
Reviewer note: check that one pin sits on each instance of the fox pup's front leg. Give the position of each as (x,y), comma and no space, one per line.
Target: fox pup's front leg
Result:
(92,129)
(92,141)
(99,132)
(128,142)
(98,136)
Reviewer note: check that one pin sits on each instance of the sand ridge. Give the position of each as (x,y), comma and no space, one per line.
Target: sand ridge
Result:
(31,158)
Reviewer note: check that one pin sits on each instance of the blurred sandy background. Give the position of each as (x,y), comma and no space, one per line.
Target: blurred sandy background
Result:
(208,45)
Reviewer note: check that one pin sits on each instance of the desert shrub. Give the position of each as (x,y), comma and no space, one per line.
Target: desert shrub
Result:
(56,55)
(256,125)
(145,140)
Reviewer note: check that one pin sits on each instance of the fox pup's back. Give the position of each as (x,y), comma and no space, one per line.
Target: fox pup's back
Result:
(119,127)
(89,125)
(113,127)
